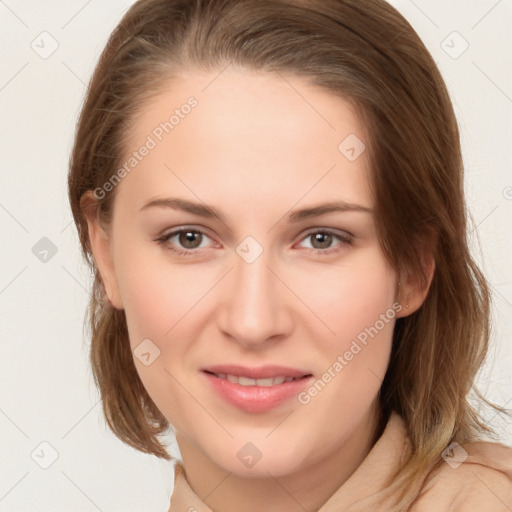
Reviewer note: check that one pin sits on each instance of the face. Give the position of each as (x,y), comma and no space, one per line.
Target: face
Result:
(247,280)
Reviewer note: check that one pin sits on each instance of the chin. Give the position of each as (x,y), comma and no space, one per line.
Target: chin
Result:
(254,462)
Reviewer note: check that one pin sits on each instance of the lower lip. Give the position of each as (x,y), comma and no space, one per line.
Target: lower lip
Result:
(257,398)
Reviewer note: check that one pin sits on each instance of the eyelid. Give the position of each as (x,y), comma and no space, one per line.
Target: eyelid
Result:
(334,231)
(344,236)
(164,238)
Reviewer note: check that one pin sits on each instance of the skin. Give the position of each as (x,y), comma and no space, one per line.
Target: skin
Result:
(256,147)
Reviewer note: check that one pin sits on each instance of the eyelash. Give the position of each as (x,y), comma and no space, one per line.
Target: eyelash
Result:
(164,241)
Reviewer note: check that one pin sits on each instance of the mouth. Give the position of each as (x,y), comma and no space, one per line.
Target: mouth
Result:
(248,381)
(256,390)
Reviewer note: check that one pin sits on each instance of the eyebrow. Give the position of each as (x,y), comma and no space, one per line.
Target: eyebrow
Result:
(210,212)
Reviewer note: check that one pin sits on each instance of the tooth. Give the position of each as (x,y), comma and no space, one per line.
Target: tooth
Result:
(246,381)
(265,382)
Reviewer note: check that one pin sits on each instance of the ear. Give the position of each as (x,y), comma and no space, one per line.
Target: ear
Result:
(413,289)
(101,246)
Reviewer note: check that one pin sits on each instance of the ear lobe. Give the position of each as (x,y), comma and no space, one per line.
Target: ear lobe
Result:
(413,292)
(100,243)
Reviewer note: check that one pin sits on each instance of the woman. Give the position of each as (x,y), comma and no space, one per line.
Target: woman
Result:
(271,198)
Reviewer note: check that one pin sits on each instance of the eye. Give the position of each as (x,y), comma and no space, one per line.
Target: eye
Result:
(189,238)
(323,239)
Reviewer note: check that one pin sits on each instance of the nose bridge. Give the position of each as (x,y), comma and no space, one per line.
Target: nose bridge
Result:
(254,305)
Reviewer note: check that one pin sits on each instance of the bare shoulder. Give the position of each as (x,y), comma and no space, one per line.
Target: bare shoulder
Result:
(474,476)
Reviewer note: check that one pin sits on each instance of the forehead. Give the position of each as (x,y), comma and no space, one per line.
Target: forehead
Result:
(250,135)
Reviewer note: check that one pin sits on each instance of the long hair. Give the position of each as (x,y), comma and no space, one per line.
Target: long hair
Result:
(365,52)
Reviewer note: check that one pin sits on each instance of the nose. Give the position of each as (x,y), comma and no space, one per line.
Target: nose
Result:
(255,306)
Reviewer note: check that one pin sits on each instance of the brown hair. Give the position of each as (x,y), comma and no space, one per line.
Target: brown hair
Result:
(365,52)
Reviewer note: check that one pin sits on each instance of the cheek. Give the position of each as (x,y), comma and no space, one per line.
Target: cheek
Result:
(356,304)
(351,295)
(149,312)
(156,299)
(156,295)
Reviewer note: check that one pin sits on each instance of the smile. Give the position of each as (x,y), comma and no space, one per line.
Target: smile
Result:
(248,381)
(258,393)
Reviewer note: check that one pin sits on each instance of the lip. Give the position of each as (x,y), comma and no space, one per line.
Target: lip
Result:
(257,399)
(261,372)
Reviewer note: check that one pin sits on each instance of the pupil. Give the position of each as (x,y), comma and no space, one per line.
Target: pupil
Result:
(327,238)
(189,237)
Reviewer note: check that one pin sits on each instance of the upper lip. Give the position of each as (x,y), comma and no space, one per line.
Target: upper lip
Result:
(260,372)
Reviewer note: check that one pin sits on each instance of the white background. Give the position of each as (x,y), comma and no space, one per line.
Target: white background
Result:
(47,392)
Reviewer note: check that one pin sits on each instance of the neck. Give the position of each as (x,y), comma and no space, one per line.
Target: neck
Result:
(306,488)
